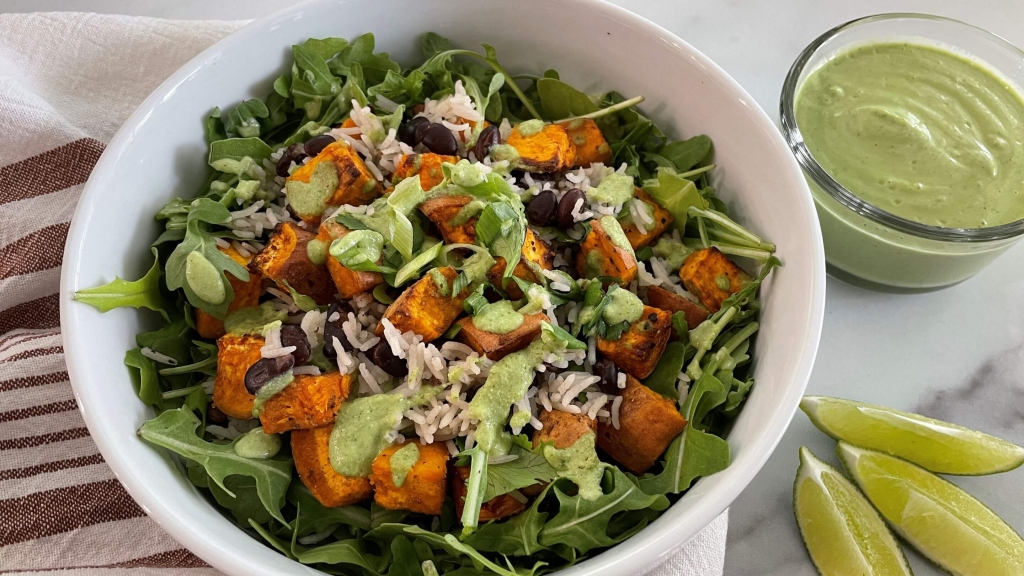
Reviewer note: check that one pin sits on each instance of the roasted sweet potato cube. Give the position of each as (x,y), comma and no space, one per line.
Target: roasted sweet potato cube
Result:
(424,308)
(545,150)
(588,143)
(308,402)
(648,422)
(347,282)
(235,354)
(442,210)
(356,185)
(711,276)
(494,509)
(600,256)
(311,452)
(497,346)
(285,259)
(426,166)
(661,298)
(424,488)
(638,349)
(562,429)
(247,295)
(536,250)
(661,217)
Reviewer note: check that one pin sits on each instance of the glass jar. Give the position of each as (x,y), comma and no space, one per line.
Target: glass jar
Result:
(864,241)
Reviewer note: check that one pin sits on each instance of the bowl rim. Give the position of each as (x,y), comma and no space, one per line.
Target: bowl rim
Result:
(628,557)
(825,181)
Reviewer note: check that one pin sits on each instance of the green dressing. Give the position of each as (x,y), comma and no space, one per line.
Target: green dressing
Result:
(614,230)
(309,199)
(258,444)
(360,430)
(918,131)
(580,464)
(253,320)
(204,279)
(316,250)
(273,387)
(504,153)
(357,247)
(506,383)
(470,210)
(498,318)
(614,189)
(402,461)
(672,251)
(530,128)
(622,306)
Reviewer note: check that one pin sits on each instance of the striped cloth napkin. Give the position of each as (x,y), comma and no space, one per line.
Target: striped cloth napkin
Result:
(67,82)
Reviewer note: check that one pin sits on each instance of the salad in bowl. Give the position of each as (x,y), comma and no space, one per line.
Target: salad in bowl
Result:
(444,317)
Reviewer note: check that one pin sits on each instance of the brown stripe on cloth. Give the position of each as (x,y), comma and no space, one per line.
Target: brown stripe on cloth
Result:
(52,171)
(33,354)
(51,467)
(31,381)
(43,439)
(12,340)
(40,250)
(180,558)
(36,314)
(34,411)
(65,509)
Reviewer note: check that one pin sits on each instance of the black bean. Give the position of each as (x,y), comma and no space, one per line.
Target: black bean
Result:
(294,153)
(609,374)
(333,329)
(316,144)
(264,370)
(440,140)
(487,138)
(566,206)
(542,209)
(385,359)
(412,131)
(215,416)
(292,335)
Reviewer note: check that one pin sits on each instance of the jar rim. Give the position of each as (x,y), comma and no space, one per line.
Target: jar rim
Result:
(825,181)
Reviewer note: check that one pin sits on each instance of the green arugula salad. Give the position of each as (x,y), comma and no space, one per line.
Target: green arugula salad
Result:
(444,319)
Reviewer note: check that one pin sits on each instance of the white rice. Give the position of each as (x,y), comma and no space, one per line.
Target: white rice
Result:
(309,370)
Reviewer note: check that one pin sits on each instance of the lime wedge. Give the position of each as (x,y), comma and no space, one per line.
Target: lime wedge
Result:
(943,522)
(843,533)
(937,446)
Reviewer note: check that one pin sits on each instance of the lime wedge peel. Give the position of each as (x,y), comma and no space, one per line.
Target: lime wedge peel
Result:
(944,523)
(842,532)
(937,446)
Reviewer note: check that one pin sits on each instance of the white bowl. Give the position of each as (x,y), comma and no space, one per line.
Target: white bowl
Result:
(160,153)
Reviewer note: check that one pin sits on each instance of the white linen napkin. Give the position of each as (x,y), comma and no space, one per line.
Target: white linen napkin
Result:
(67,82)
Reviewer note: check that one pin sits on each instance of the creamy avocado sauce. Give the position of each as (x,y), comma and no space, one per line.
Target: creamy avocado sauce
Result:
(402,461)
(918,131)
(530,128)
(357,247)
(273,387)
(204,279)
(504,153)
(622,306)
(258,444)
(580,464)
(316,250)
(498,318)
(359,431)
(614,188)
(253,320)
(614,230)
(506,383)
(309,199)
(470,210)
(672,251)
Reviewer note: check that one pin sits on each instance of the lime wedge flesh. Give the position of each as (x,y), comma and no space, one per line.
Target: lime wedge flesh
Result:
(843,533)
(932,444)
(943,522)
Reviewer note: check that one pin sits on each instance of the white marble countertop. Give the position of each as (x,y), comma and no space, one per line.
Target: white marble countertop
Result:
(956,354)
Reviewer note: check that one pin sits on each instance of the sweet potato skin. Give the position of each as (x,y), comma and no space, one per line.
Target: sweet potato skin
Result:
(662,220)
(356,184)
(599,256)
(423,309)
(425,486)
(497,346)
(235,354)
(347,282)
(247,295)
(311,452)
(284,259)
(648,422)
(665,300)
(588,143)
(704,274)
(308,402)
(427,166)
(638,349)
(562,429)
(494,509)
(442,209)
(549,150)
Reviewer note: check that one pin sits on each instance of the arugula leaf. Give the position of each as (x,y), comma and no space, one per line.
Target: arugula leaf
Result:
(666,374)
(351,551)
(204,356)
(528,469)
(483,560)
(694,453)
(560,100)
(141,293)
(583,524)
(305,303)
(238,155)
(213,129)
(551,334)
(675,194)
(144,377)
(312,80)
(400,89)
(431,43)
(360,52)
(316,517)
(245,504)
(685,154)
(517,536)
(176,431)
(244,120)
